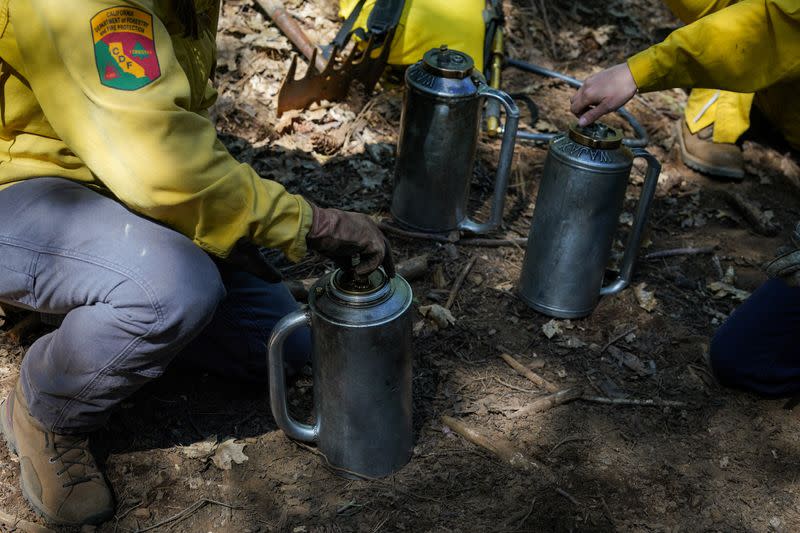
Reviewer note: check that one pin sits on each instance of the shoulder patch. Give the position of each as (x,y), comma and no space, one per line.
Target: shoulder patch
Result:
(124,48)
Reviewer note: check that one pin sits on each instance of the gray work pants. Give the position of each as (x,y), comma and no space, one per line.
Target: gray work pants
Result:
(134,294)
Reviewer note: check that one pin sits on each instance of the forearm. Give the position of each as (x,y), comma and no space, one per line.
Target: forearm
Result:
(743,48)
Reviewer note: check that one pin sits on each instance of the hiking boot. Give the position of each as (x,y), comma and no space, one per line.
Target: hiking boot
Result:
(59,476)
(701,153)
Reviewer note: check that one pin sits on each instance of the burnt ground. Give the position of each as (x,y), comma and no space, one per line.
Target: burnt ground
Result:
(724,461)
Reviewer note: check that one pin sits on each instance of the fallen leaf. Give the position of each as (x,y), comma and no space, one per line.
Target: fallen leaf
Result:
(572,341)
(286,120)
(632,362)
(551,329)
(200,450)
(646,299)
(722,289)
(438,315)
(227,452)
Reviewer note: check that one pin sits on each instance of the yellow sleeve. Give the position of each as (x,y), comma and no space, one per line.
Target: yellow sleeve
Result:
(744,48)
(133,129)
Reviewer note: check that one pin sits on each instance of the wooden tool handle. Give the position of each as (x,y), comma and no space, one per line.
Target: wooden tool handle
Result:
(289,26)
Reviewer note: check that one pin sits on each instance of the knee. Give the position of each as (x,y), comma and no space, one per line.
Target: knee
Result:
(189,301)
(181,287)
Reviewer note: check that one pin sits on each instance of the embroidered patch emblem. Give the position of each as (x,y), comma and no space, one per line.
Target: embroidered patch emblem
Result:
(124,48)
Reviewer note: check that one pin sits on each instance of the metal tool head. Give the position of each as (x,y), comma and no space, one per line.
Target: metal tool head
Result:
(363,64)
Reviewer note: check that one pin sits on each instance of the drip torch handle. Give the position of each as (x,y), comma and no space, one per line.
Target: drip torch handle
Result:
(277,378)
(639,221)
(503,166)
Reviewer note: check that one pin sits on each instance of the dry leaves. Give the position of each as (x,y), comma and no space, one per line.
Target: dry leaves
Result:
(222,454)
(645,298)
(437,314)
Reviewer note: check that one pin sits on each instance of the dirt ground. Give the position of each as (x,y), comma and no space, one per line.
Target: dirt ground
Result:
(722,461)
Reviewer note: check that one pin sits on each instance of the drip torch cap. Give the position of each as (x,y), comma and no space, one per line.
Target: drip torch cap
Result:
(596,135)
(447,63)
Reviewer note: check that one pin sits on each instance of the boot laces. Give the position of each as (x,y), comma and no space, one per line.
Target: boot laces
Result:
(73,451)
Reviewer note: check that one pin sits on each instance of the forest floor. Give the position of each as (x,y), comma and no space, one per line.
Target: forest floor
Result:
(722,461)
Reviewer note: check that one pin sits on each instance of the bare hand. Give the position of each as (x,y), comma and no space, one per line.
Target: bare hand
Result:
(603,93)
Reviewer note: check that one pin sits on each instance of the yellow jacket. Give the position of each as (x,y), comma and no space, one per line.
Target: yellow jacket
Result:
(111,94)
(748,46)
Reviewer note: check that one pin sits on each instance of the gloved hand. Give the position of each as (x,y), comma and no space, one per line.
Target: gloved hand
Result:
(342,234)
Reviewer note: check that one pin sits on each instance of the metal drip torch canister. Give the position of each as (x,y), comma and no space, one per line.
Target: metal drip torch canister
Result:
(439,131)
(580,199)
(361,358)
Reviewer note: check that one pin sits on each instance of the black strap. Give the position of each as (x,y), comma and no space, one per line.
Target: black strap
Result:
(383,18)
(344,32)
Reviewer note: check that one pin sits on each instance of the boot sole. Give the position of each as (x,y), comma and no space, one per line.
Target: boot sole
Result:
(35,503)
(696,164)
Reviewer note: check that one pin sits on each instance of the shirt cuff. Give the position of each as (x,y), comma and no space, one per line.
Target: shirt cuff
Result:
(644,69)
(299,248)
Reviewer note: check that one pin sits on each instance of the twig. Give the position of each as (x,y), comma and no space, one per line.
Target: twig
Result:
(752,214)
(543,8)
(186,513)
(18,524)
(436,237)
(568,496)
(499,447)
(525,517)
(608,513)
(494,243)
(679,251)
(336,469)
(618,337)
(528,373)
(647,402)
(510,386)
(459,281)
(548,402)
(452,237)
(358,120)
(565,441)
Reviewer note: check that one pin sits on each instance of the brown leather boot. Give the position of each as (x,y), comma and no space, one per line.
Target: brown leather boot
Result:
(701,153)
(59,476)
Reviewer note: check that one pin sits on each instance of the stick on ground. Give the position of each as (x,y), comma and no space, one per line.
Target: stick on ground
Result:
(755,216)
(615,338)
(452,237)
(494,243)
(679,251)
(459,281)
(528,373)
(498,447)
(186,513)
(548,402)
(633,401)
(394,230)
